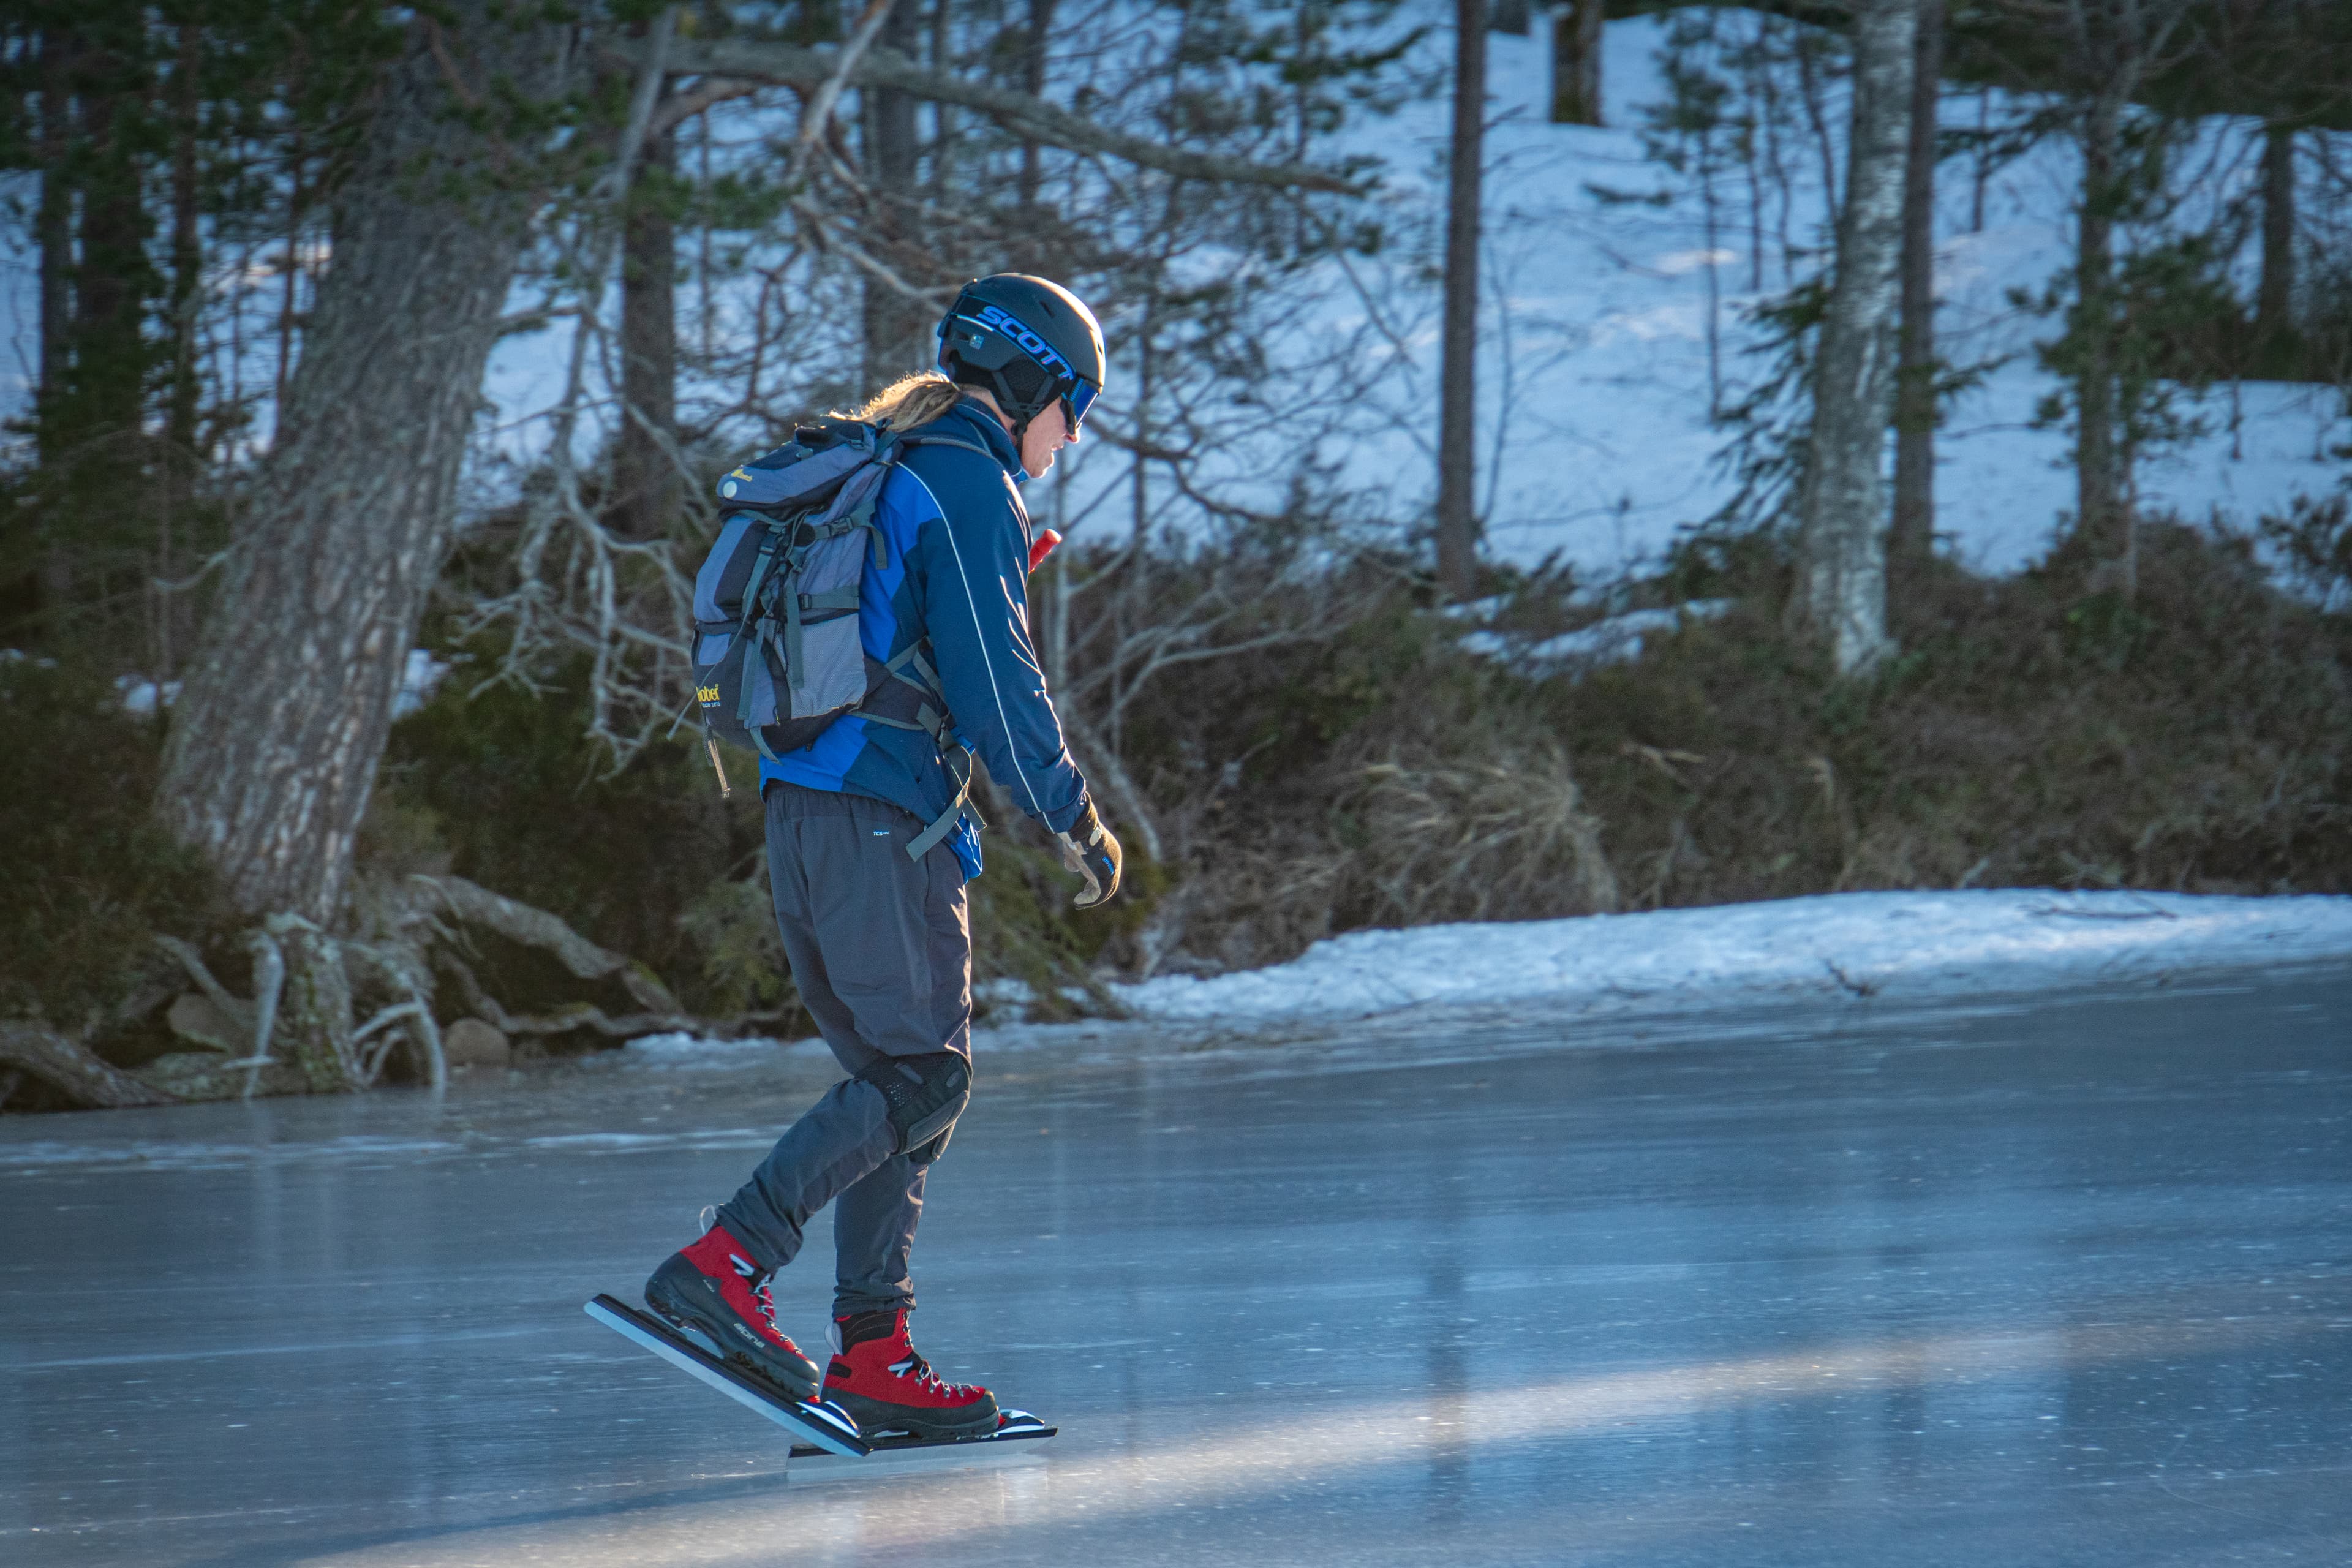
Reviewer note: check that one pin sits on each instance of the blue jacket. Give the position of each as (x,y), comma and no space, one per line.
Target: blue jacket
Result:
(957,538)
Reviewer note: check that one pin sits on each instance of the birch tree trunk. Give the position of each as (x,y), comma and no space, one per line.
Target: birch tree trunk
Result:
(1843,510)
(1457,425)
(1913,541)
(288,699)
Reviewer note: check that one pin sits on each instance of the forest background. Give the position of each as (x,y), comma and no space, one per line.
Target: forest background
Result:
(339,690)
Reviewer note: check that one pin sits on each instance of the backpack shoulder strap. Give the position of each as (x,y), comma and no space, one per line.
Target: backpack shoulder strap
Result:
(906,441)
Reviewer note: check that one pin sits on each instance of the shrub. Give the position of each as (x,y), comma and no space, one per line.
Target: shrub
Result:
(2194,736)
(91,879)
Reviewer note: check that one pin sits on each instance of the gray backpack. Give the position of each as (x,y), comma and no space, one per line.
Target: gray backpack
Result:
(776,652)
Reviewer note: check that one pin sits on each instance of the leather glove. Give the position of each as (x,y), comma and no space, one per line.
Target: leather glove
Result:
(1089,849)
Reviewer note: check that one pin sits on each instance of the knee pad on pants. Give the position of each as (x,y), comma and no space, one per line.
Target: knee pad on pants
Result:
(926,1094)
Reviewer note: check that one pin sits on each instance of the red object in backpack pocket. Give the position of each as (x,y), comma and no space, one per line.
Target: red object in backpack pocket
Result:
(1046,540)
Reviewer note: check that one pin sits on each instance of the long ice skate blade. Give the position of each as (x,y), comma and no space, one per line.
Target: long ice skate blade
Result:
(1012,1427)
(822,1428)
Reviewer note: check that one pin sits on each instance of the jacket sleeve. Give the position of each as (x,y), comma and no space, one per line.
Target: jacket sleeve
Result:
(971,563)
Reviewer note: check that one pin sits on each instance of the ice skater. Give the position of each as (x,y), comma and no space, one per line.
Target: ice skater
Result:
(869,847)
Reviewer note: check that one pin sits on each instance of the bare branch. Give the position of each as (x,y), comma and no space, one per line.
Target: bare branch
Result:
(829,233)
(234,1008)
(1101,763)
(269,989)
(818,115)
(709,93)
(1034,117)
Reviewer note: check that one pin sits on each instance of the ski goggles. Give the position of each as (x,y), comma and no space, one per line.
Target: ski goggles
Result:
(1076,401)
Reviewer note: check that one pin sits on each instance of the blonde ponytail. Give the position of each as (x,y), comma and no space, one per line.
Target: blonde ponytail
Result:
(912,400)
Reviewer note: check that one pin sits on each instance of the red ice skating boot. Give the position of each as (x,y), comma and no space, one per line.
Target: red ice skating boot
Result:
(878,1377)
(714,1291)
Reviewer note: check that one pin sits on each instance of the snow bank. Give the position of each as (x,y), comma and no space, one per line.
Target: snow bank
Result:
(1914,945)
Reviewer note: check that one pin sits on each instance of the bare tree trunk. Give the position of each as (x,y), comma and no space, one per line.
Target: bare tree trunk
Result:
(896,327)
(1913,543)
(1457,454)
(2109,51)
(290,280)
(180,456)
(1033,82)
(1808,47)
(112,280)
(43,592)
(2099,524)
(54,229)
(644,479)
(187,248)
(289,699)
(1576,62)
(2274,332)
(941,57)
(1843,510)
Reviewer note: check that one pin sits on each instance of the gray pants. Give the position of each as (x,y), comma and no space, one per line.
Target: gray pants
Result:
(881,950)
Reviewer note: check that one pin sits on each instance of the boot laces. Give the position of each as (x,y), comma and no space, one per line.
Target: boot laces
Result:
(760,1295)
(915,1367)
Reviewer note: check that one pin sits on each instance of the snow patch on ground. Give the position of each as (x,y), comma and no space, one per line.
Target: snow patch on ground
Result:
(1615,640)
(139,694)
(1903,944)
(419,679)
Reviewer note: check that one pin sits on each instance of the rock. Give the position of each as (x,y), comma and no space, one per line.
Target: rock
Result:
(196,1020)
(202,1074)
(470,1043)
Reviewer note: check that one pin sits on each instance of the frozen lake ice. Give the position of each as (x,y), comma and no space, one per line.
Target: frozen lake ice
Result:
(2055,1278)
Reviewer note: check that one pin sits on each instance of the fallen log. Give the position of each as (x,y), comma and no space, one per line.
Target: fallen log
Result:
(72,1069)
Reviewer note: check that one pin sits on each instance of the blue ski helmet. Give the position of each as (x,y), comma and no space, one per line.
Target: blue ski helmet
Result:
(1028,342)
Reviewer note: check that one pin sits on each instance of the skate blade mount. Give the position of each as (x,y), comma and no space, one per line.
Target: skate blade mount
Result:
(1011,1425)
(822,1428)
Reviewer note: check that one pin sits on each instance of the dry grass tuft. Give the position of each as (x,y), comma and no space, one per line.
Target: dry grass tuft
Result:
(1501,837)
